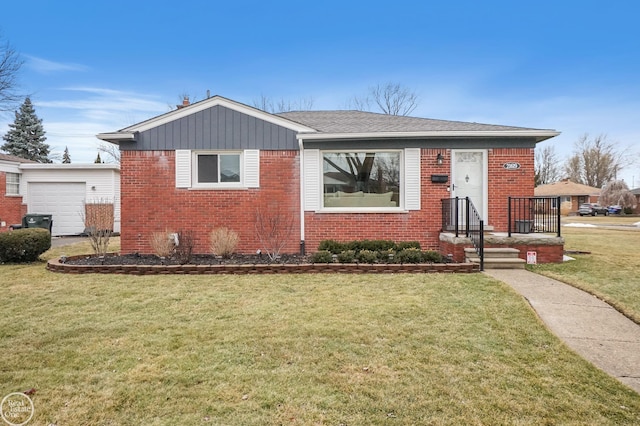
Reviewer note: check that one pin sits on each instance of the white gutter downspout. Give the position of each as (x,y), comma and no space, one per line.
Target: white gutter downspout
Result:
(301,147)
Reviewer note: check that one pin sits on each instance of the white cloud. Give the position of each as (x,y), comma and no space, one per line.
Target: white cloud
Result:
(45,66)
(73,116)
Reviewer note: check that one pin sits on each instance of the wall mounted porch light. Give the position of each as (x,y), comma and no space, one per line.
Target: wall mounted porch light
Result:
(439,159)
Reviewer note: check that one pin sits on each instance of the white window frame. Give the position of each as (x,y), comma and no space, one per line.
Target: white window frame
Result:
(186,169)
(402,189)
(15,184)
(215,185)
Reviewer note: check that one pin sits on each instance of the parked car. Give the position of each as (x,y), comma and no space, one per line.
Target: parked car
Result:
(593,209)
(614,209)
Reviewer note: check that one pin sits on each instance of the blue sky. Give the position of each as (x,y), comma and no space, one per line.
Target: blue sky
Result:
(99,66)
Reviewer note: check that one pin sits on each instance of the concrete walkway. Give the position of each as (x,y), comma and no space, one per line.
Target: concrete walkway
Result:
(590,327)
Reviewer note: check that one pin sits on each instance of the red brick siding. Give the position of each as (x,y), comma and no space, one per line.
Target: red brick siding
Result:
(504,183)
(455,250)
(11,208)
(545,253)
(422,226)
(152,203)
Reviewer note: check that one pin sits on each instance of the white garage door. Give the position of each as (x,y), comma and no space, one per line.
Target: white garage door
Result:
(63,200)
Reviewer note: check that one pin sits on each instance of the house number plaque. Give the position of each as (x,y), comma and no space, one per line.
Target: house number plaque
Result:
(511,166)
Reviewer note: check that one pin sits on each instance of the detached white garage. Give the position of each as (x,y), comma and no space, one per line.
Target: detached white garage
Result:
(63,190)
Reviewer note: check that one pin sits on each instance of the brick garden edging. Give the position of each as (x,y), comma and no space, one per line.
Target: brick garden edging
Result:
(55,265)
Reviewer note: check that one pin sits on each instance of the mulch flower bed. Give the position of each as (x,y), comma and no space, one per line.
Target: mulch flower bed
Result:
(136,264)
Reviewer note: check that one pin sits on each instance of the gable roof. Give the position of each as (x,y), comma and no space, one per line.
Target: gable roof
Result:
(565,187)
(340,124)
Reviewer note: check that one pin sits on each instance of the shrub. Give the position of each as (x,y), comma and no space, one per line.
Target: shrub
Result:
(367,256)
(162,243)
(372,245)
(409,255)
(24,245)
(333,246)
(98,222)
(347,256)
(407,244)
(386,256)
(274,226)
(322,256)
(223,241)
(431,257)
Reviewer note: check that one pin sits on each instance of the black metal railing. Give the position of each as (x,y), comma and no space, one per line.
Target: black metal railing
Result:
(459,215)
(534,215)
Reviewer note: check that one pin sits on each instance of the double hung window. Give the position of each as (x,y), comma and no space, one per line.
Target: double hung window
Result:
(13,184)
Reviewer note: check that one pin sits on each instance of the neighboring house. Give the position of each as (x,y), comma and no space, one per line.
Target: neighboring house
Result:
(636,193)
(12,208)
(64,191)
(317,175)
(571,194)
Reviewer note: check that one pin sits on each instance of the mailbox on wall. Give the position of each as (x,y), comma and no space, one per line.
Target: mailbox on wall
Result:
(439,178)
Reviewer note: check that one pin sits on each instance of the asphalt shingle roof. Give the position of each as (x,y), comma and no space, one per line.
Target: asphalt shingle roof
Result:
(565,187)
(13,158)
(365,122)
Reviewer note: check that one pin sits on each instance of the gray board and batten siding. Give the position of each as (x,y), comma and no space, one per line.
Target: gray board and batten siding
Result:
(215,128)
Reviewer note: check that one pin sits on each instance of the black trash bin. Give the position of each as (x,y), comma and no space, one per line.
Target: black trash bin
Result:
(33,220)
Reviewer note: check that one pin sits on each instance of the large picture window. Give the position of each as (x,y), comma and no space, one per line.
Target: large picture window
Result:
(218,168)
(361,179)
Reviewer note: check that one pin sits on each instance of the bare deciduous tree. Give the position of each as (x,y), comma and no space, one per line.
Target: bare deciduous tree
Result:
(547,166)
(112,152)
(595,161)
(390,98)
(98,216)
(274,227)
(617,193)
(267,104)
(10,64)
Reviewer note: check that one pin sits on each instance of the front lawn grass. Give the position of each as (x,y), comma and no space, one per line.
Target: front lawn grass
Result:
(305,349)
(609,270)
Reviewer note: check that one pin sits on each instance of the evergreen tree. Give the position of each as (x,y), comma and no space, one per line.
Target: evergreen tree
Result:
(66,158)
(25,138)
(98,159)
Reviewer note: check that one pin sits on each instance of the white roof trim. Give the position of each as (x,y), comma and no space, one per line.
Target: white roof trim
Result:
(109,137)
(76,166)
(208,103)
(430,134)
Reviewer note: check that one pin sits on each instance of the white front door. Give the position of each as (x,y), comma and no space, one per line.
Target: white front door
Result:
(469,177)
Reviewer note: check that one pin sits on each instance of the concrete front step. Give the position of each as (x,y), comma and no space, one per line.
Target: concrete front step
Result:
(497,258)
(493,252)
(500,263)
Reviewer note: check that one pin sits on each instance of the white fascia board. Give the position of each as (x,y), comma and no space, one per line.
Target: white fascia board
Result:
(116,137)
(431,134)
(209,103)
(71,166)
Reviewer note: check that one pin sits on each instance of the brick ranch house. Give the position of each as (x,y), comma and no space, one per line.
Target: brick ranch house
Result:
(344,175)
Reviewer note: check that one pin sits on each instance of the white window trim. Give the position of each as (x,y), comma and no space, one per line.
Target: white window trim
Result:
(399,209)
(186,169)
(215,185)
(7,183)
